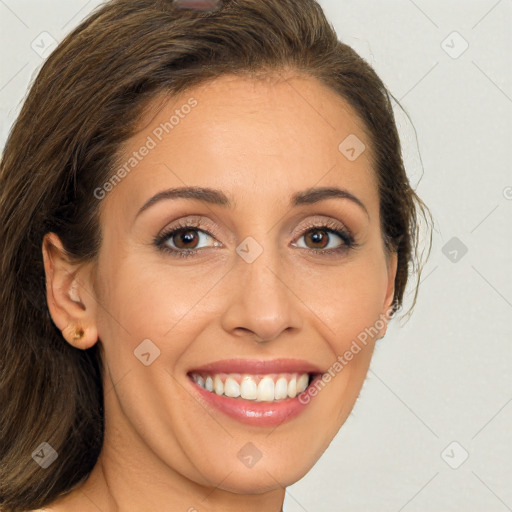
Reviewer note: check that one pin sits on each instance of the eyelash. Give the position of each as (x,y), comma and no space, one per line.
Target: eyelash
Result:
(328,226)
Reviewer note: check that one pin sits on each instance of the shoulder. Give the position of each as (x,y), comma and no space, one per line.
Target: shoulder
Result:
(74,500)
(64,506)
(58,507)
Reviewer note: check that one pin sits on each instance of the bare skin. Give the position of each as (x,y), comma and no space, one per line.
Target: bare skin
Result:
(259,143)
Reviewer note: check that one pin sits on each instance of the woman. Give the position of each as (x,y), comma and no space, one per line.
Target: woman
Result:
(206,226)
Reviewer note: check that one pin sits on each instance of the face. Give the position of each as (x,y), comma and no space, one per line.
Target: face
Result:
(215,310)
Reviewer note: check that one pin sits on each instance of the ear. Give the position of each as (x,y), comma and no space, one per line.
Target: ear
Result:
(390,290)
(70,295)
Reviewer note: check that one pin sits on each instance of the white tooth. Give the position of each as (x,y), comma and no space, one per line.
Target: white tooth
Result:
(249,389)
(218,386)
(292,387)
(302,382)
(266,389)
(281,389)
(231,388)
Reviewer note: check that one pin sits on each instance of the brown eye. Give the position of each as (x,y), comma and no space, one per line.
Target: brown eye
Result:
(318,238)
(183,239)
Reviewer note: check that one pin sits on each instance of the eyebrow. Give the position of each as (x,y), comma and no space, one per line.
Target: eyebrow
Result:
(314,195)
(217,197)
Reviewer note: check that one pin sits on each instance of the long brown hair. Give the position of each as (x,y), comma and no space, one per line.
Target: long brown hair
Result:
(86,100)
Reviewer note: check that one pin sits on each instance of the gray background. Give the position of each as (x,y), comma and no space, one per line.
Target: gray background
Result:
(440,385)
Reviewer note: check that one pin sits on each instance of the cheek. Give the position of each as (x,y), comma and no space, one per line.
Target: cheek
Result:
(347,314)
(151,300)
(346,299)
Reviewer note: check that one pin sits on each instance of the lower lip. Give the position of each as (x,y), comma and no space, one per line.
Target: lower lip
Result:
(262,414)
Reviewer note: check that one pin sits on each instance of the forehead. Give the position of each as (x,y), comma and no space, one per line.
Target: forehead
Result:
(246,136)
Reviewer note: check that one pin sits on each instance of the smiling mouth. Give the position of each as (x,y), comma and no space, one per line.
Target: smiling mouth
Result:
(271,387)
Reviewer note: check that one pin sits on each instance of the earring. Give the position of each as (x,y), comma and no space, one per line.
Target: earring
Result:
(78,334)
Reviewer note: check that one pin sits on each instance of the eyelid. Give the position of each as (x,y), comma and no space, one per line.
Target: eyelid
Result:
(194,221)
(316,221)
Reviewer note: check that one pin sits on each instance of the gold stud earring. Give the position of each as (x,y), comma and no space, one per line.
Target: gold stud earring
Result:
(78,334)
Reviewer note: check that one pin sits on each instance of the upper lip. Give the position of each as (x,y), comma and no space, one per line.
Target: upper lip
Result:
(258,366)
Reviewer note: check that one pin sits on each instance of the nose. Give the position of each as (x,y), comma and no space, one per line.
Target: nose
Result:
(262,304)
